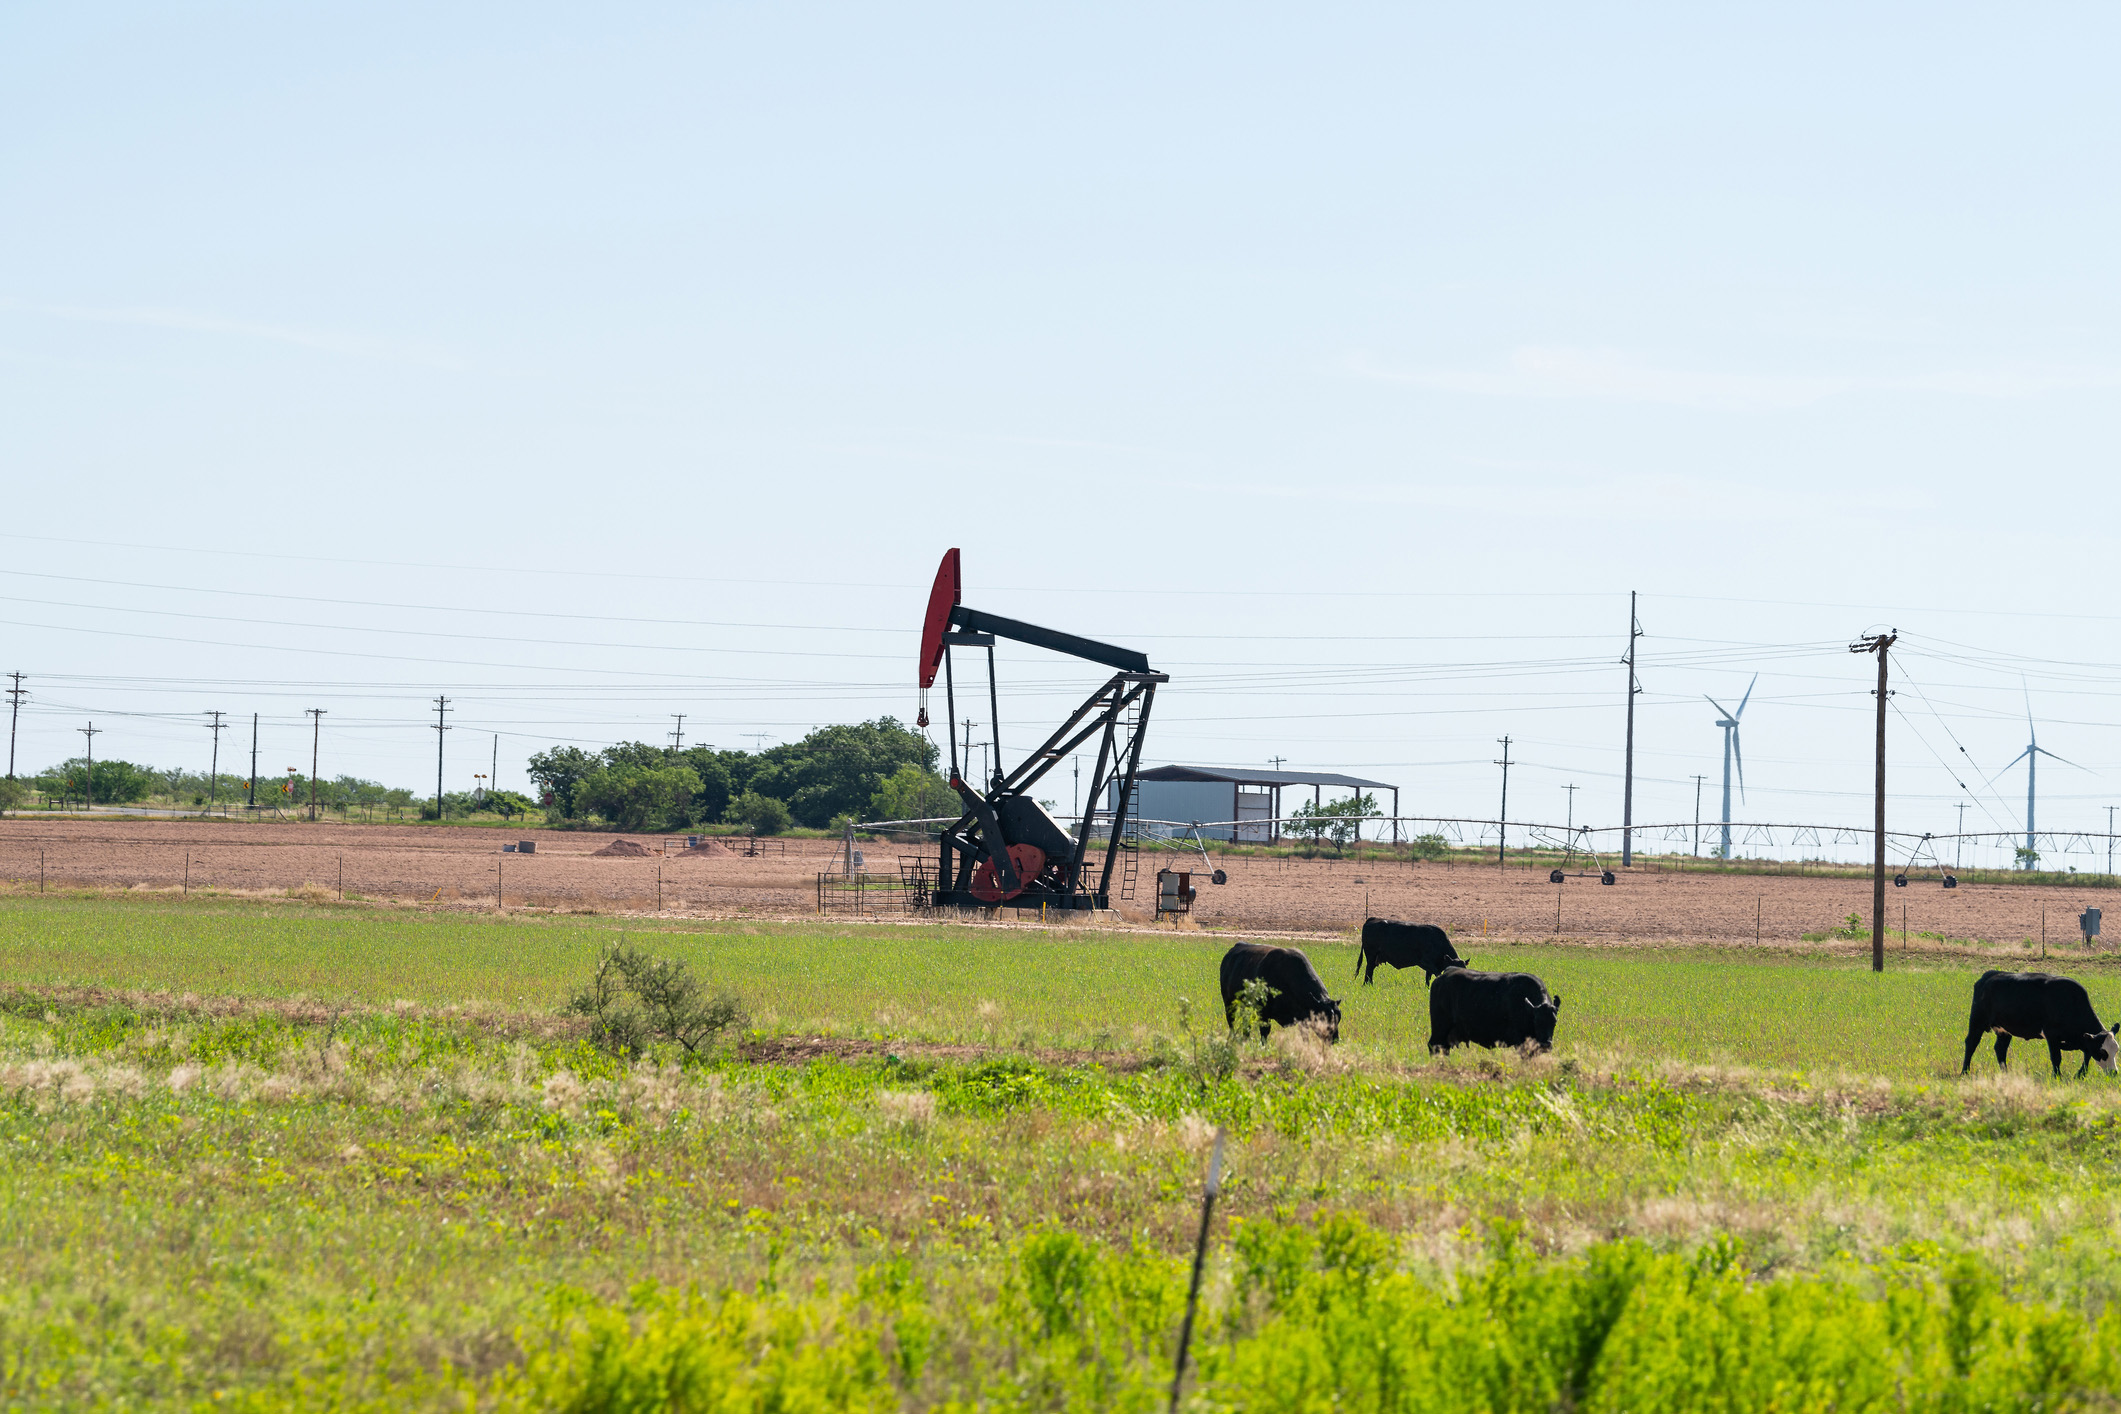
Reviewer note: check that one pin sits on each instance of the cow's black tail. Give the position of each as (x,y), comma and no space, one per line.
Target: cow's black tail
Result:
(1359,955)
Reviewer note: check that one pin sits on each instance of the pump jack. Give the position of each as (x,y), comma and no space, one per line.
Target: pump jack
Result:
(1005,850)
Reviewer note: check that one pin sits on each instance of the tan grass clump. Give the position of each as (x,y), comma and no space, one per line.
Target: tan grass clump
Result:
(1304,1047)
(906,1109)
(1195,1133)
(564,1092)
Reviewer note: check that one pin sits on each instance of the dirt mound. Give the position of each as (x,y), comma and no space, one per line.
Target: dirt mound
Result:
(623,849)
(710,848)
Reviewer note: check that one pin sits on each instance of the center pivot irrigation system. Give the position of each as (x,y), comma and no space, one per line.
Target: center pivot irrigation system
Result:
(1005,849)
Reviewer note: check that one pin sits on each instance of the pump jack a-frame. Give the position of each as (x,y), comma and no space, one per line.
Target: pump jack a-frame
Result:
(1005,850)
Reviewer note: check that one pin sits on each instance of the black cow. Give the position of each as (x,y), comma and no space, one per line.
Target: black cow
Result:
(1297,993)
(1387,942)
(1468,1008)
(2036,1006)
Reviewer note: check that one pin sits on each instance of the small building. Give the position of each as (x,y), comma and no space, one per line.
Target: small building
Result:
(1228,799)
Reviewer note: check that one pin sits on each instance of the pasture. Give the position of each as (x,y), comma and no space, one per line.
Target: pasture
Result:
(1059,989)
(297,1156)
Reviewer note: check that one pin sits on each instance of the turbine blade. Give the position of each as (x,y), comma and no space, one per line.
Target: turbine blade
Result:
(1739,753)
(1714,703)
(1747,698)
(2007,765)
(2063,759)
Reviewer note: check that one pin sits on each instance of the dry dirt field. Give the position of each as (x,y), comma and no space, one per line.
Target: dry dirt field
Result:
(462,868)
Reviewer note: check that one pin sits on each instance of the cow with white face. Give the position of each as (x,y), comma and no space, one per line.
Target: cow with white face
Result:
(2036,1006)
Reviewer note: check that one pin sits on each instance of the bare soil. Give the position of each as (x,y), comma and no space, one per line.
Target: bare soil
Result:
(412,864)
(463,868)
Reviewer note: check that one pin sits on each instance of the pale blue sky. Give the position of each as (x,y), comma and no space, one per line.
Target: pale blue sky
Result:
(1433,329)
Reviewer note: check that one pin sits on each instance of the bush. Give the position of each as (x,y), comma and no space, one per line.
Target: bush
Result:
(1430,846)
(914,793)
(1329,822)
(634,797)
(13,792)
(761,814)
(508,804)
(116,782)
(634,999)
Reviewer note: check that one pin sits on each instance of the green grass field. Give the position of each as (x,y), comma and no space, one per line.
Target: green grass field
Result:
(295,1157)
(1063,989)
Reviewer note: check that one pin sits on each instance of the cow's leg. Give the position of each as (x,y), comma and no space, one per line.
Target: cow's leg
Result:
(1369,974)
(2087,1062)
(2054,1055)
(2003,1049)
(1973,1044)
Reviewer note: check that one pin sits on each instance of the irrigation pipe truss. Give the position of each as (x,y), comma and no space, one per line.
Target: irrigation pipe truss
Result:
(1550,836)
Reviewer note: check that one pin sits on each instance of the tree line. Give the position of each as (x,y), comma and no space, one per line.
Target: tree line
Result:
(877,770)
(121,782)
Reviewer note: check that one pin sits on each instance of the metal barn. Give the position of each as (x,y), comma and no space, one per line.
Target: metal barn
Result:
(1236,793)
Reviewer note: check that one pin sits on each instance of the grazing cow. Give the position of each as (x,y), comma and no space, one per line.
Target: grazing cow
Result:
(1468,1008)
(2036,1006)
(1297,993)
(1387,942)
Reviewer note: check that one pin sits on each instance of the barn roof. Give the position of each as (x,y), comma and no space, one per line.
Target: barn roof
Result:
(1244,775)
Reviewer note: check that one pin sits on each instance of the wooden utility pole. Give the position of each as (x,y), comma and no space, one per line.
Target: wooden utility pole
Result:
(90,732)
(1502,824)
(316,730)
(1627,790)
(213,772)
(15,695)
(253,762)
(441,726)
(1879,643)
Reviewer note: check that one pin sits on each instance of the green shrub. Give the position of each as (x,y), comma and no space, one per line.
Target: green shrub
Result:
(1323,1316)
(761,814)
(634,999)
(636,797)
(914,793)
(1429,846)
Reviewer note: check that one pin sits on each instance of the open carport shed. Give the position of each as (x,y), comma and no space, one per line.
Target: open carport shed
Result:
(1241,794)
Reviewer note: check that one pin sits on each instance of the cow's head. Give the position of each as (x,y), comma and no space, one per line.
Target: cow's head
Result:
(2105,1047)
(1327,1018)
(1541,1025)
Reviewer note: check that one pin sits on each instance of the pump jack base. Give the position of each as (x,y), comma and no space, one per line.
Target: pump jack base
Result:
(1071,903)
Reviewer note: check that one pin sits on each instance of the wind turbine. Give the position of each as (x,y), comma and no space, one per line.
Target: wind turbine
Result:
(1731,752)
(2031,757)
